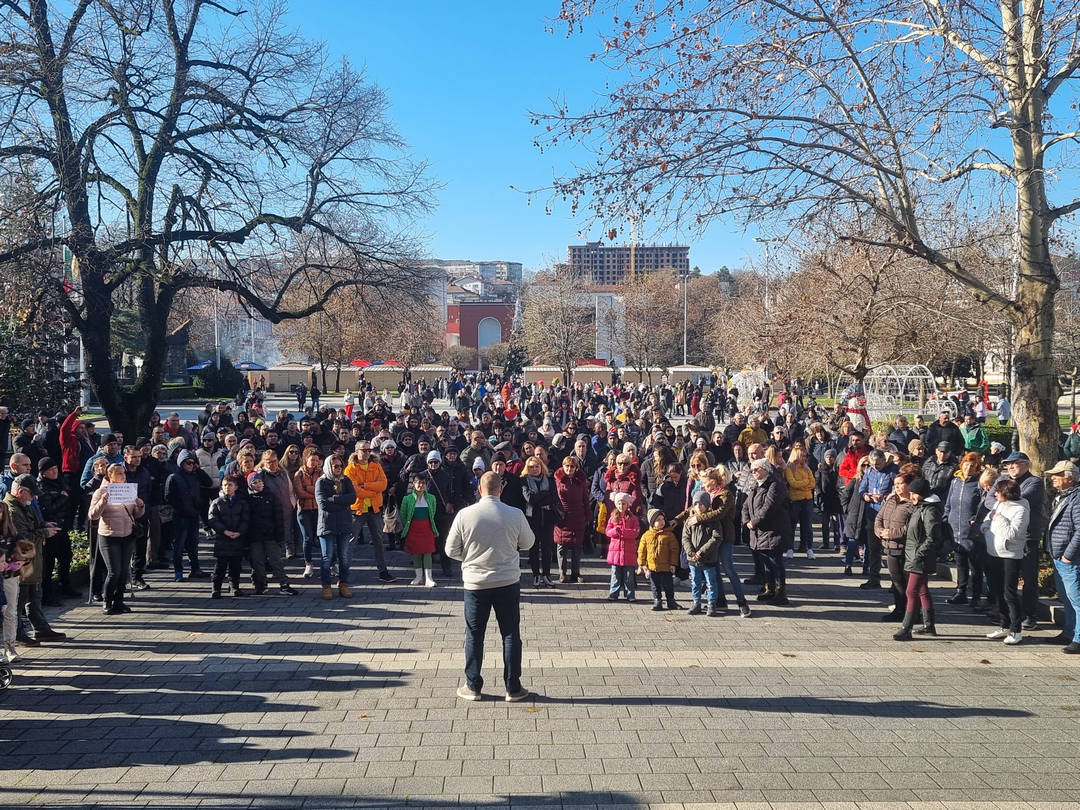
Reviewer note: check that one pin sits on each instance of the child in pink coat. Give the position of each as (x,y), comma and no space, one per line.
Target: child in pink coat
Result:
(623,530)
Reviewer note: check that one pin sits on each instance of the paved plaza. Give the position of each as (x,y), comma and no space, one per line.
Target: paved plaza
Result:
(290,702)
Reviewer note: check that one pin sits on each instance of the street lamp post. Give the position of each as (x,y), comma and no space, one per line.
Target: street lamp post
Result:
(685,285)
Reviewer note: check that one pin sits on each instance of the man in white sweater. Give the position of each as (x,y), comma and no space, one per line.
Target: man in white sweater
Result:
(487,538)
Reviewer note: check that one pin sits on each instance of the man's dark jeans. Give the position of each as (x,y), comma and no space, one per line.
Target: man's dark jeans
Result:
(478,605)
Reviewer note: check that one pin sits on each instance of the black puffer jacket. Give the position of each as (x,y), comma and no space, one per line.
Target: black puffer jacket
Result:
(229,514)
(854,510)
(55,503)
(264,524)
(924,537)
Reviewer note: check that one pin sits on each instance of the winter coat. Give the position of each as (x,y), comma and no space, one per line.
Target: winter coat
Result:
(854,511)
(658,550)
(183,491)
(1005,529)
(55,502)
(279,484)
(800,482)
(937,433)
(334,498)
(938,475)
(702,538)
(877,482)
(539,502)
(975,439)
(1063,531)
(924,537)
(28,526)
(1071,448)
(766,508)
(623,532)
(827,487)
(849,464)
(573,494)
(304,487)
(210,463)
(229,514)
(890,523)
(669,498)
(70,445)
(264,525)
(628,482)
(962,508)
(114,520)
(369,481)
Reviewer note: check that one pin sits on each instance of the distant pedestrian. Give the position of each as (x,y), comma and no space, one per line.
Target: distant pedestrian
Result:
(487,538)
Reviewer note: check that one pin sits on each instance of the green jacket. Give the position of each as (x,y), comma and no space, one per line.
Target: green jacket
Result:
(408,508)
(976,440)
(29,526)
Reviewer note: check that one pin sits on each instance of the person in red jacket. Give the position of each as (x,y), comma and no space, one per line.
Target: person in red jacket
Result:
(75,449)
(856,451)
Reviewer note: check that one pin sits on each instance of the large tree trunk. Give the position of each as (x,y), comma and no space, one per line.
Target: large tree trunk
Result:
(1036,395)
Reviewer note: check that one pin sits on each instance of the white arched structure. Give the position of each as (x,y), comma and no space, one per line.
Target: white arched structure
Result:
(745,382)
(892,390)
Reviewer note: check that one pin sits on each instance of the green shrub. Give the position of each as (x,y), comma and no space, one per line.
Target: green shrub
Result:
(80,550)
(215,382)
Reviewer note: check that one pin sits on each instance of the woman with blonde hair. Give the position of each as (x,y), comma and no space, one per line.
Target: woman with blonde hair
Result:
(800,484)
(538,490)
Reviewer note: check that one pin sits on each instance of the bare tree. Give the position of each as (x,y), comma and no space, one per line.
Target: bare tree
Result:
(652,334)
(459,357)
(906,112)
(183,145)
(558,321)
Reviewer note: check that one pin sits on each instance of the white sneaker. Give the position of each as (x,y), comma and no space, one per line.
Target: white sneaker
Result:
(789,553)
(994,635)
(419,578)
(1014,638)
(10,656)
(809,554)
(429,580)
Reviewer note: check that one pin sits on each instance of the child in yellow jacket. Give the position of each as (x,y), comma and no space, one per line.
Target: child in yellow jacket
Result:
(658,554)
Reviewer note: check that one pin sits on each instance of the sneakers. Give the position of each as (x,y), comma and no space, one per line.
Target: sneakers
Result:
(546,582)
(1000,633)
(386,576)
(809,554)
(327,593)
(1030,624)
(308,572)
(514,697)
(744,611)
(429,580)
(287,590)
(344,591)
(1014,638)
(1072,648)
(140,585)
(10,656)
(789,553)
(695,609)
(465,693)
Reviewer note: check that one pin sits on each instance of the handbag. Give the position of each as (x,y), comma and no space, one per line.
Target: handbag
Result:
(392,520)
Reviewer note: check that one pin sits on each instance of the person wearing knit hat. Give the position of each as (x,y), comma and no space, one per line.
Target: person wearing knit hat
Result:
(658,554)
(56,506)
(701,539)
(265,537)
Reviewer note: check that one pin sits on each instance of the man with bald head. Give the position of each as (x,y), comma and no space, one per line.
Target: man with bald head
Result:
(488,538)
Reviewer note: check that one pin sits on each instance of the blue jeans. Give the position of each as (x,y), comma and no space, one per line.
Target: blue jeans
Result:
(478,606)
(704,575)
(308,520)
(774,566)
(622,579)
(185,538)
(727,563)
(334,547)
(1067,579)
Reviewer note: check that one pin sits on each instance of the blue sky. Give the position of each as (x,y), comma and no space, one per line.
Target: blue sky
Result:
(461,78)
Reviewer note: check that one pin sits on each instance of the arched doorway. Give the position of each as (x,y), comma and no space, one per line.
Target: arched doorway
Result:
(488,331)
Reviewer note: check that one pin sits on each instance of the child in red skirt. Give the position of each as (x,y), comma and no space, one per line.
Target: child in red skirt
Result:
(418,529)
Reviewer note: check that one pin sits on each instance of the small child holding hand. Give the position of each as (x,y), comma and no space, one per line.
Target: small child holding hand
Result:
(658,554)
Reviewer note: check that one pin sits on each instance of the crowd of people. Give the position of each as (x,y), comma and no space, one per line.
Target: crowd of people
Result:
(595,470)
